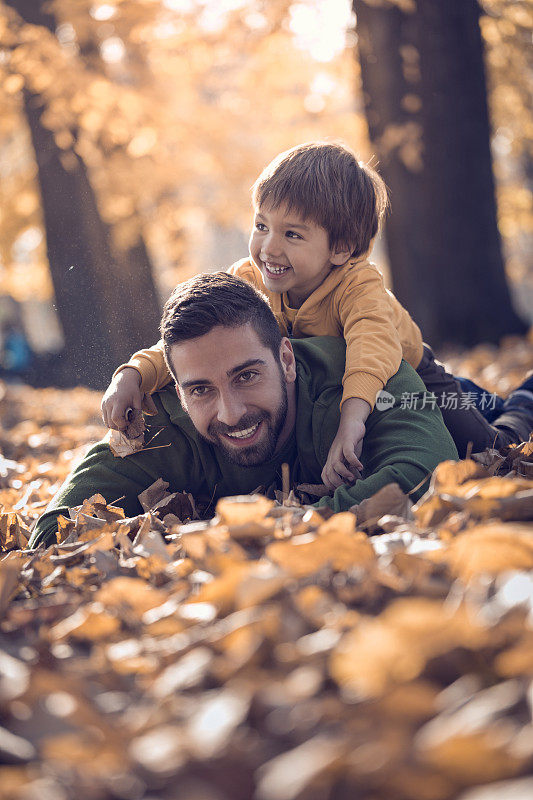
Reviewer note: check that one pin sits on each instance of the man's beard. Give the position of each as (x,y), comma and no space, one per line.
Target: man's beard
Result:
(262,451)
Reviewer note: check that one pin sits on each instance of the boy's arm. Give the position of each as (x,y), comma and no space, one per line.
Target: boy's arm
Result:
(403,444)
(132,385)
(373,346)
(151,366)
(345,450)
(373,355)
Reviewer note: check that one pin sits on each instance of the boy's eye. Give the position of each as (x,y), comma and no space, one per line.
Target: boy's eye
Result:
(293,235)
(260,226)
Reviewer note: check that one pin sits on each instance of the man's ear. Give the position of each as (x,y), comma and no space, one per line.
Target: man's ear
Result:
(340,254)
(288,362)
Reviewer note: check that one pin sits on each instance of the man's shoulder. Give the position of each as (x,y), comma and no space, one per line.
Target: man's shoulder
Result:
(169,410)
(330,350)
(406,379)
(320,362)
(322,358)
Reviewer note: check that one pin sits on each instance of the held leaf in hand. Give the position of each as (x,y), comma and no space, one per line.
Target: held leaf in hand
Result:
(131,440)
(135,427)
(121,446)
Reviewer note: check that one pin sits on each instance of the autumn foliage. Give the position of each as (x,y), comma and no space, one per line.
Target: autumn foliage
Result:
(273,652)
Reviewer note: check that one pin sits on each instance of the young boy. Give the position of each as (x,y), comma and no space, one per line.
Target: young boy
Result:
(317,211)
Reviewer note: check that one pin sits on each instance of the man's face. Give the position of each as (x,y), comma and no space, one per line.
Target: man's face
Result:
(238,395)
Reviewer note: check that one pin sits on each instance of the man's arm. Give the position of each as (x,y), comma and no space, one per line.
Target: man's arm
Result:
(99,471)
(172,456)
(403,444)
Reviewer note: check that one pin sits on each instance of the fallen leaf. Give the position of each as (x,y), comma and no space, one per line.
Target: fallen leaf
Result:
(388,500)
(121,446)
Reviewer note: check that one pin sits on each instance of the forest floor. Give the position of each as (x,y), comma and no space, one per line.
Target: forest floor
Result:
(271,653)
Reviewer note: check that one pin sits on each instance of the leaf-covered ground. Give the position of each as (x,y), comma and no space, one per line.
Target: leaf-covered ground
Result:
(271,653)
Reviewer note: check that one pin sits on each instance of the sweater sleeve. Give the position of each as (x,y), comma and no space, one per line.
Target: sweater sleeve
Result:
(151,366)
(99,471)
(373,347)
(403,444)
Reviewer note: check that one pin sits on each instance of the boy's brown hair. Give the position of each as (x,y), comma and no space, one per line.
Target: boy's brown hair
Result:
(324,182)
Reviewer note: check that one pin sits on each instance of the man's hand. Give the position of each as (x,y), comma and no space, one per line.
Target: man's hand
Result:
(342,464)
(122,394)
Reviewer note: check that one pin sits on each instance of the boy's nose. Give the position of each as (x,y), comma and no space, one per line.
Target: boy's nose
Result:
(271,246)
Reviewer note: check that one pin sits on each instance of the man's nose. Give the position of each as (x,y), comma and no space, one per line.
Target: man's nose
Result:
(231,409)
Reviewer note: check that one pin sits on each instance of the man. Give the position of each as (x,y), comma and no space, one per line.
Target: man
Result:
(248,400)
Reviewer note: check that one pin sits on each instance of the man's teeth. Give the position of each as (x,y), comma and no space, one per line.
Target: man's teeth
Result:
(276,270)
(243,434)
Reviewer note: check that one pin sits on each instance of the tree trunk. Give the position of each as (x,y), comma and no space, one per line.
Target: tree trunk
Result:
(107,305)
(425,99)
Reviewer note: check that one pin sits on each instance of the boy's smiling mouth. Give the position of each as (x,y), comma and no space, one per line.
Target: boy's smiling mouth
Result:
(275,269)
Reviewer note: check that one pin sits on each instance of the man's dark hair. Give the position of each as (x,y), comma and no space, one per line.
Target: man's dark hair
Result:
(211,299)
(325,183)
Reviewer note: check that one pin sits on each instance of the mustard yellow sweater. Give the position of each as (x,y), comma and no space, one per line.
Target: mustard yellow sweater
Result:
(351,302)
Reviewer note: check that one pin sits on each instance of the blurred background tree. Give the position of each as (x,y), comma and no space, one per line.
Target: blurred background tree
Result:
(104,294)
(425,97)
(131,131)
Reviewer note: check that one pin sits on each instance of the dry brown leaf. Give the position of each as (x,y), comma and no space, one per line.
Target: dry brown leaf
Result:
(305,555)
(449,475)
(285,777)
(518,660)
(9,581)
(153,494)
(395,647)
(121,446)
(133,593)
(14,535)
(471,758)
(519,789)
(90,623)
(135,427)
(490,549)
(241,510)
(388,500)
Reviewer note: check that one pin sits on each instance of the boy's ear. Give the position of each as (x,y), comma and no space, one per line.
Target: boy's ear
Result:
(340,254)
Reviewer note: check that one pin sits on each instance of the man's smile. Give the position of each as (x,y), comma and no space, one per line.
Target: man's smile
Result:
(245,435)
(251,431)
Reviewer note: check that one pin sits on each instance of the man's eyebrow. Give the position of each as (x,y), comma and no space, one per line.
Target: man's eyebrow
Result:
(252,362)
(193,382)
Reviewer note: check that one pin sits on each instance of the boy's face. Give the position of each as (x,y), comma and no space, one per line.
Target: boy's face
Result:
(292,253)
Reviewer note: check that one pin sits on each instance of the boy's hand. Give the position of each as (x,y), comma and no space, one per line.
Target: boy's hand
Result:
(122,394)
(343,464)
